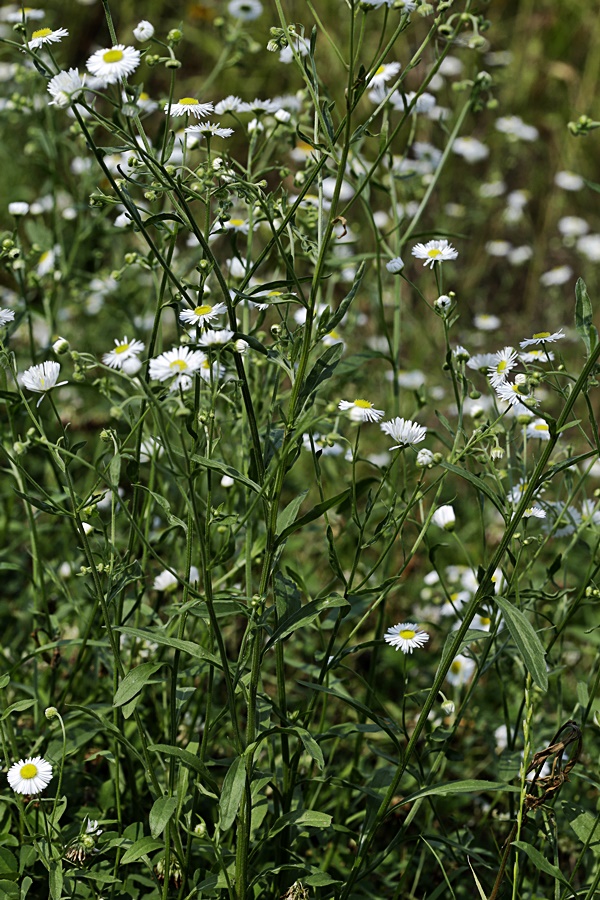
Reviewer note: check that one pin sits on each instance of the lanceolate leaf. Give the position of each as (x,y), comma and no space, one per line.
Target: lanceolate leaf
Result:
(232,792)
(528,643)
(134,681)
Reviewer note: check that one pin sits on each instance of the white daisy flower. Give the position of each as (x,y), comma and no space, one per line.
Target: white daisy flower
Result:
(556,277)
(245,10)
(231,104)
(18,208)
(122,351)
(211,371)
(470,149)
(178,362)
(444,517)
(569,181)
(361,410)
(46,36)
(543,337)
(406,636)
(386,72)
(434,251)
(485,322)
(212,338)
(510,392)
(425,458)
(404,432)
(165,581)
(301,46)
(189,106)
(504,361)
(143,31)
(115,64)
(209,129)
(573,226)
(481,362)
(535,512)
(30,776)
(20,13)
(534,356)
(202,314)
(42,378)
(395,265)
(515,128)
(461,670)
(589,245)
(65,87)
(6,316)
(538,429)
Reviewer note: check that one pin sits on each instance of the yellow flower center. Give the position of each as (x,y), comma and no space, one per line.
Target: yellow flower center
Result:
(304,147)
(205,364)
(202,310)
(501,366)
(363,404)
(542,334)
(178,364)
(274,294)
(41,33)
(484,621)
(541,427)
(434,253)
(121,348)
(380,70)
(188,101)
(408,634)
(144,96)
(236,222)
(28,771)
(456,667)
(112,56)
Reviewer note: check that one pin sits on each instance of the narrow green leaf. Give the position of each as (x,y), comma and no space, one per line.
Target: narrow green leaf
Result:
(134,681)
(585,825)
(315,513)
(528,643)
(188,758)
(114,471)
(323,369)
(311,746)
(161,812)
(306,817)
(185,646)
(218,466)
(19,706)
(540,862)
(304,616)
(4,682)
(231,793)
(55,879)
(140,848)
(166,507)
(470,786)
(287,516)
(478,483)
(342,309)
(584,317)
